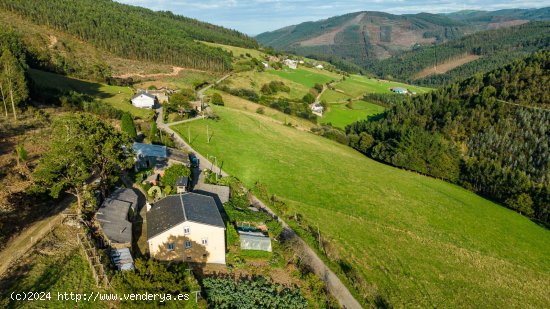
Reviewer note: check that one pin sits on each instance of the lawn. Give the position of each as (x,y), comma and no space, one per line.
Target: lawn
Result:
(339,115)
(306,77)
(358,85)
(332,96)
(410,240)
(118,97)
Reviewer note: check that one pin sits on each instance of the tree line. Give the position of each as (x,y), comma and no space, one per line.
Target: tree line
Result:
(134,32)
(489,133)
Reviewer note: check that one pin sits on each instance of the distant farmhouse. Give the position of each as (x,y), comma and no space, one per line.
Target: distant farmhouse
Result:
(186,227)
(317,109)
(292,64)
(144,100)
(399,90)
(319,66)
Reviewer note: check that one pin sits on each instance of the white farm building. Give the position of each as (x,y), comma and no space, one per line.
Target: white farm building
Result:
(144,100)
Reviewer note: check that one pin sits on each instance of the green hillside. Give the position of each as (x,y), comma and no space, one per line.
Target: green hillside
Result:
(488,133)
(135,33)
(394,236)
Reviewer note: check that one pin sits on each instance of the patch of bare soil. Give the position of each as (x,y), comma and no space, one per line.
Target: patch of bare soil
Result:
(18,208)
(328,38)
(53,40)
(447,65)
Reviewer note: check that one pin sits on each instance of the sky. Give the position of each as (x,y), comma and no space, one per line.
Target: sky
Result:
(256,16)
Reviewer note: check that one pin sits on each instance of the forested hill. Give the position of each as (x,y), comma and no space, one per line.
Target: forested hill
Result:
(362,38)
(134,32)
(490,133)
(495,48)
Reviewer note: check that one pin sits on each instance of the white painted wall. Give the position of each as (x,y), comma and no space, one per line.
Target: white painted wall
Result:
(143,101)
(198,231)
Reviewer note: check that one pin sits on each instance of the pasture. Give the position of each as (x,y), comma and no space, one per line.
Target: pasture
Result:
(357,86)
(340,115)
(305,76)
(402,238)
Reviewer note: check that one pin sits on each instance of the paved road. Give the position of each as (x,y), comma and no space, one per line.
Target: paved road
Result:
(334,285)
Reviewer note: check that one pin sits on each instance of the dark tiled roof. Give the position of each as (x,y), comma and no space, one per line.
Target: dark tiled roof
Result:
(182,181)
(149,150)
(112,216)
(175,209)
(221,191)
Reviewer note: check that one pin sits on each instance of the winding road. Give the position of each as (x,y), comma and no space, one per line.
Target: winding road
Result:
(333,283)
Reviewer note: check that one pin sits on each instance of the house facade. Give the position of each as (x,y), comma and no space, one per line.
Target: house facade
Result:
(292,64)
(186,227)
(144,100)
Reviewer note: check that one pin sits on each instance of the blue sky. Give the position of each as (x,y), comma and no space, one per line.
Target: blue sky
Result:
(256,16)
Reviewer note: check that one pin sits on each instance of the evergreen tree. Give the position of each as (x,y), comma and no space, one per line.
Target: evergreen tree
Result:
(12,81)
(127,125)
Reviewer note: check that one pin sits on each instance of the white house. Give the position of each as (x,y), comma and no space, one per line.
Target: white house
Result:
(186,227)
(319,66)
(292,64)
(317,109)
(265,64)
(144,100)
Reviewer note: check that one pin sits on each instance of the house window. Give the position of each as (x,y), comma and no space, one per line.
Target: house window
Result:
(186,230)
(204,241)
(171,247)
(187,244)
(189,258)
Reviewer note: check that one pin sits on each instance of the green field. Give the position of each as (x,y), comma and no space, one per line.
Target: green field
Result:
(357,85)
(332,96)
(410,240)
(118,97)
(306,77)
(255,80)
(339,115)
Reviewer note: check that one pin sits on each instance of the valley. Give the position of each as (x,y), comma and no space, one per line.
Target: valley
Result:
(321,165)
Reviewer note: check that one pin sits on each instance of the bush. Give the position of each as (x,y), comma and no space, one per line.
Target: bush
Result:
(217,99)
(260,110)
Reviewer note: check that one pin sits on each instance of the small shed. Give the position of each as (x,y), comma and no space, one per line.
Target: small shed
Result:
(181,184)
(220,194)
(122,259)
(254,241)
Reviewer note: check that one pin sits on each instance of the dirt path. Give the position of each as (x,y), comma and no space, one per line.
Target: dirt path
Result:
(19,245)
(334,285)
(446,66)
(175,72)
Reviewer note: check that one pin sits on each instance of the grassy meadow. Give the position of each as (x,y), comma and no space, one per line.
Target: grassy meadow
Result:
(118,97)
(403,238)
(357,85)
(305,76)
(340,115)
(238,51)
(255,80)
